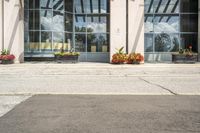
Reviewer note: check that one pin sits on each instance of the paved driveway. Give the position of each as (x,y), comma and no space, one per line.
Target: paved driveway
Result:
(97,78)
(104,114)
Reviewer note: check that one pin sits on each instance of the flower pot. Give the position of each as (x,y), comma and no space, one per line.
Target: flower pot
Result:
(7,62)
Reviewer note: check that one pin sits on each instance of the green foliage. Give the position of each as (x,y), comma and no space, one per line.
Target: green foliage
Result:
(5,52)
(120,51)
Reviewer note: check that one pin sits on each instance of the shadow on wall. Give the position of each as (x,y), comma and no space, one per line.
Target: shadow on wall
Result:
(18,19)
(139,31)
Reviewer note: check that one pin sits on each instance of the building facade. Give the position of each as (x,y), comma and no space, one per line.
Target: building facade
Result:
(95,28)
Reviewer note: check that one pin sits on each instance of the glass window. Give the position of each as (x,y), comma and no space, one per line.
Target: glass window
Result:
(34,40)
(189,39)
(189,23)
(46,4)
(68,22)
(26,20)
(34,20)
(80,42)
(57,41)
(69,5)
(68,43)
(80,23)
(97,43)
(58,5)
(46,41)
(165,42)
(46,19)
(148,43)
(148,24)
(58,21)
(34,4)
(189,6)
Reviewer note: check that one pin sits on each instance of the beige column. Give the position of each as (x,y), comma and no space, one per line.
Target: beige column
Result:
(1,19)
(117,25)
(136,26)
(14,29)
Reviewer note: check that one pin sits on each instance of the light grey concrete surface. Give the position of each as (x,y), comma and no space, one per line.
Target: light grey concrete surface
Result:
(9,102)
(98,78)
(104,114)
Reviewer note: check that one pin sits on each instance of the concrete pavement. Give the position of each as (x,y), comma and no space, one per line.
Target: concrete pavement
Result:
(98,78)
(104,114)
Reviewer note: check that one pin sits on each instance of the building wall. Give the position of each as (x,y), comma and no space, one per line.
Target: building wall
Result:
(136,26)
(14,30)
(1,25)
(117,25)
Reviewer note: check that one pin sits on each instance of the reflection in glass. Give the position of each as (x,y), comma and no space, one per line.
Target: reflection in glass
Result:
(189,23)
(34,20)
(58,5)
(26,41)
(95,5)
(34,4)
(34,40)
(69,5)
(57,41)
(166,42)
(46,4)
(68,22)
(46,19)
(104,6)
(189,6)
(96,23)
(97,43)
(68,43)
(148,23)
(58,20)
(166,23)
(80,42)
(46,41)
(189,39)
(26,20)
(148,43)
(80,23)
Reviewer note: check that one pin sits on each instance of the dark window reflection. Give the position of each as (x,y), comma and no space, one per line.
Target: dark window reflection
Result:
(34,40)
(80,42)
(69,5)
(189,23)
(189,39)
(34,4)
(189,6)
(148,43)
(68,22)
(34,20)
(46,41)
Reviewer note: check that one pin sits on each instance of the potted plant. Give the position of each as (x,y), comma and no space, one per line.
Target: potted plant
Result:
(185,56)
(66,57)
(6,57)
(119,57)
(135,58)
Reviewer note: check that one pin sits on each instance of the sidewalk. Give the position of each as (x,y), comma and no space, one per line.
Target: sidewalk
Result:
(99,78)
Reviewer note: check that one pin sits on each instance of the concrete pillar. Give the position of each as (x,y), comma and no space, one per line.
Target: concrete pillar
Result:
(14,29)
(1,2)
(117,25)
(136,26)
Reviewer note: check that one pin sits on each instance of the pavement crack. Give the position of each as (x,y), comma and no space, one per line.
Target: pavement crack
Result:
(160,86)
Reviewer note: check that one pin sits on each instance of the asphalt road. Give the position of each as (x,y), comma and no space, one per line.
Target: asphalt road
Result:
(104,114)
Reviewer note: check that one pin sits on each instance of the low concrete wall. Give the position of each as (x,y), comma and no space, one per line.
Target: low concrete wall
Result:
(14,29)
